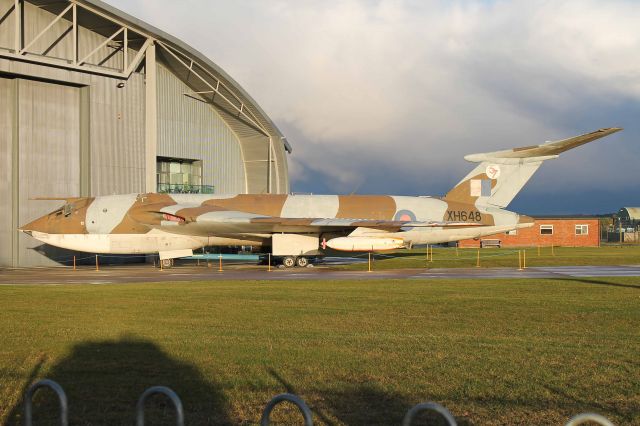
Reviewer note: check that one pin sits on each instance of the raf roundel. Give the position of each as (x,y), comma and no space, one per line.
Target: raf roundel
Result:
(493,171)
(405,216)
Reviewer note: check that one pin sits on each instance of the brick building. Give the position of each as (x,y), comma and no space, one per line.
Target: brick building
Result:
(566,232)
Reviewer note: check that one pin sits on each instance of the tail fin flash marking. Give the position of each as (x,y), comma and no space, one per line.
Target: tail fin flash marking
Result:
(502,174)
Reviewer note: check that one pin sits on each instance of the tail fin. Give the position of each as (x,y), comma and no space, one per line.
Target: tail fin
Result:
(502,174)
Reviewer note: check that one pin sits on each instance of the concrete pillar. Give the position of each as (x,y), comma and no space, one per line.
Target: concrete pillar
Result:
(151,119)
(15,173)
(85,142)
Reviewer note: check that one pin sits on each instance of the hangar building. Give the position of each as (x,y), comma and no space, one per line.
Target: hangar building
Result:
(96,102)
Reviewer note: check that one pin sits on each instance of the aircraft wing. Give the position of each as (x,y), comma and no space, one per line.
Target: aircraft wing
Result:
(206,219)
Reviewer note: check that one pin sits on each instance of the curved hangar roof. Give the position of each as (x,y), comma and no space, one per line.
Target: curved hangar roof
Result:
(260,138)
(228,83)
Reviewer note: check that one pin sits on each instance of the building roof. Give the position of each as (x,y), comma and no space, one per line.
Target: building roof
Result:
(571,217)
(634,212)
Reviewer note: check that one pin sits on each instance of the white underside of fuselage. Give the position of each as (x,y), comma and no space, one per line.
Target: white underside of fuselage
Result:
(153,242)
(158,241)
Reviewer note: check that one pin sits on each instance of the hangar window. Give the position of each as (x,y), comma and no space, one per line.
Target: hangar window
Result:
(546,229)
(181,176)
(582,229)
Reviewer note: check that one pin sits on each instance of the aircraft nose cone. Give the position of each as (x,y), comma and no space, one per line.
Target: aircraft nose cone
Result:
(39,225)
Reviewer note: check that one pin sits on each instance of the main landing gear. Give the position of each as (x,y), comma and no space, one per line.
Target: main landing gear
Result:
(291,261)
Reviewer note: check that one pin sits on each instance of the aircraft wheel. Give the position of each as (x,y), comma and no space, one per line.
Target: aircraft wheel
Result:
(289,261)
(302,262)
(166,263)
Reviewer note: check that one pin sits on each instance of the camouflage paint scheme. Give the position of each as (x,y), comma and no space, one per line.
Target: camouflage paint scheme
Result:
(157,223)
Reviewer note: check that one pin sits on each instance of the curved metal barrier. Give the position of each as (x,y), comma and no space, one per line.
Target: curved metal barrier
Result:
(265,420)
(165,391)
(302,406)
(62,398)
(589,417)
(428,406)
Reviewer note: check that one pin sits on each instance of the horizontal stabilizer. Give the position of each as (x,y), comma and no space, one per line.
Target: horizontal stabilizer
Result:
(549,149)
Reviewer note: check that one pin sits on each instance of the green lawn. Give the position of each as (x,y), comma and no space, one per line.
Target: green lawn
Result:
(493,352)
(502,257)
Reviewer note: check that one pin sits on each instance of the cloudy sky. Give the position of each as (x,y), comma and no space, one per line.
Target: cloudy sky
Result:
(387,96)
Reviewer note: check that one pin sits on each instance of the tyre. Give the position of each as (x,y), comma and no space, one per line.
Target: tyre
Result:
(302,262)
(289,261)
(166,263)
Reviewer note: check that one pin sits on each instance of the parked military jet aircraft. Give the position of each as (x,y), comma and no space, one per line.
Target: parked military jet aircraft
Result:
(301,226)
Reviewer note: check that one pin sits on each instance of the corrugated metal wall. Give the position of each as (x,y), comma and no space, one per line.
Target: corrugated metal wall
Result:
(49,157)
(6,134)
(117,136)
(190,129)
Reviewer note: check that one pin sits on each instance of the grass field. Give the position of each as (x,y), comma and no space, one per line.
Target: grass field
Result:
(503,257)
(493,352)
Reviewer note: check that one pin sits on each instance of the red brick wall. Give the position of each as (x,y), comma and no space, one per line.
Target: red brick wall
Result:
(564,234)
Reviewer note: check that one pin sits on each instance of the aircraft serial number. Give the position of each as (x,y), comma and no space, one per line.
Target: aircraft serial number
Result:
(463,216)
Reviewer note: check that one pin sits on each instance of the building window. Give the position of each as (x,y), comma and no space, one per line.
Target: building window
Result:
(181,176)
(582,229)
(546,229)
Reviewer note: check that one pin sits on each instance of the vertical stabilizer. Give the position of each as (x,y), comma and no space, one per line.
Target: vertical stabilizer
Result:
(500,175)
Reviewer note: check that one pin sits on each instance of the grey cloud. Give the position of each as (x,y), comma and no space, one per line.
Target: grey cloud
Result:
(388,96)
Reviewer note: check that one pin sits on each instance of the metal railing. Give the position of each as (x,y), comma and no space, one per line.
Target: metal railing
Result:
(265,420)
(168,188)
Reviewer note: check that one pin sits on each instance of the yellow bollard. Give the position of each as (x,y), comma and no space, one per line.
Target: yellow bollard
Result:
(269,267)
(74,263)
(478,259)
(97,266)
(524,259)
(220,265)
(369,262)
(553,253)
(457,249)
(431,256)
(519,260)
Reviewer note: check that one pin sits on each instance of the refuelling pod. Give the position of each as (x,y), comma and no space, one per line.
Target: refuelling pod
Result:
(365,243)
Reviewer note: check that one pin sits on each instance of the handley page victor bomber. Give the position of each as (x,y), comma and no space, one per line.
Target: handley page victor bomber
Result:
(301,226)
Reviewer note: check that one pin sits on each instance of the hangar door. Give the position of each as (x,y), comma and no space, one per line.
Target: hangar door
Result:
(42,149)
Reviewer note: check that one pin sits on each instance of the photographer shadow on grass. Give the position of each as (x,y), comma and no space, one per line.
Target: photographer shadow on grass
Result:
(104,379)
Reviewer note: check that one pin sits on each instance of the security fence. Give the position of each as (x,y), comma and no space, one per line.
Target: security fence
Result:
(265,420)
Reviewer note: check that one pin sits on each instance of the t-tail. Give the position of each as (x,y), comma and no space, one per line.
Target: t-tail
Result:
(502,174)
